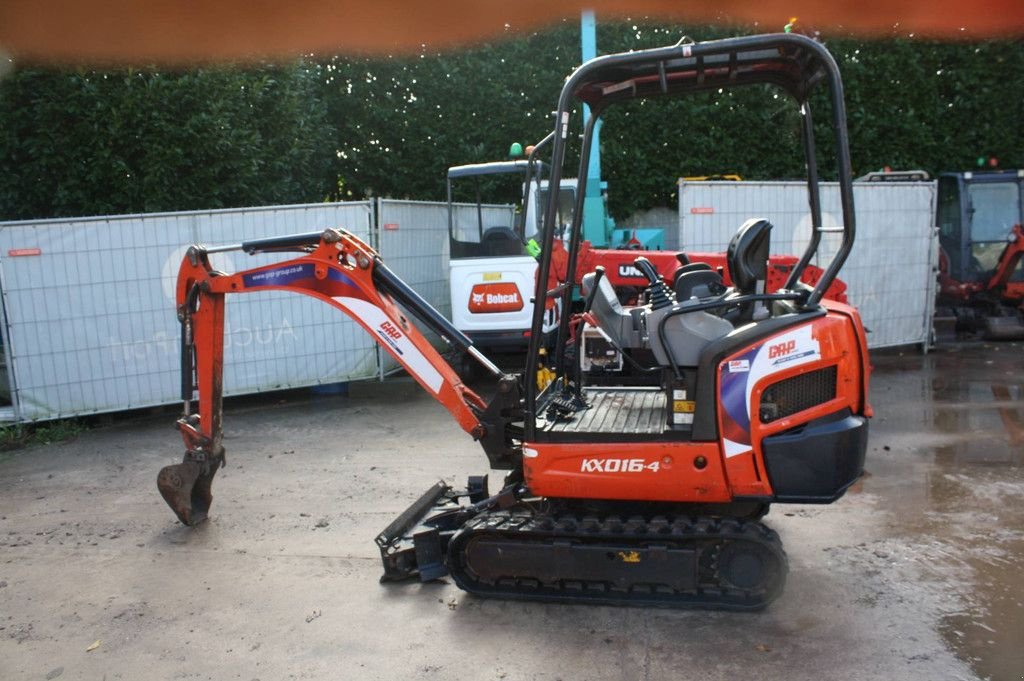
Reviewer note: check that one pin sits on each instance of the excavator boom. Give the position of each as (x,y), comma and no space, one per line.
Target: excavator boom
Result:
(344,272)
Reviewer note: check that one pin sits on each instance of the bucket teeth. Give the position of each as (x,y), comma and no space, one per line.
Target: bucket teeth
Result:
(186,489)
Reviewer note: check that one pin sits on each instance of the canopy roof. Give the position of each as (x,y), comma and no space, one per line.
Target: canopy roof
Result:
(791,62)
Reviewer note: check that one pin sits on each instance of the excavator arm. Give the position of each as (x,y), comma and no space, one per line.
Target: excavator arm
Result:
(344,272)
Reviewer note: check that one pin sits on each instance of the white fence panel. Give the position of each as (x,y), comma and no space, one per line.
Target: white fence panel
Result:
(413,241)
(890,272)
(90,318)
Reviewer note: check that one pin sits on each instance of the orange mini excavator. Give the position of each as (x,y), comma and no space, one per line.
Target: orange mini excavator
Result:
(643,491)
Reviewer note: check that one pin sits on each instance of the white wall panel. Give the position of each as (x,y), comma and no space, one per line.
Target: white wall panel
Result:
(890,272)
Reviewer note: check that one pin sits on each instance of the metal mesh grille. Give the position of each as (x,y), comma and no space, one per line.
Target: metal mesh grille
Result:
(86,338)
(795,394)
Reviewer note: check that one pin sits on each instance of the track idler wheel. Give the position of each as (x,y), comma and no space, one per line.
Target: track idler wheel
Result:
(186,489)
(751,568)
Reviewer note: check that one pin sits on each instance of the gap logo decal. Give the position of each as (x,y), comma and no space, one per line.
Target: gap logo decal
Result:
(788,352)
(739,375)
(738,365)
(390,334)
(405,350)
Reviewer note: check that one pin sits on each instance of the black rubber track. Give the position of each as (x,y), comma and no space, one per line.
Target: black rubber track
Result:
(674,562)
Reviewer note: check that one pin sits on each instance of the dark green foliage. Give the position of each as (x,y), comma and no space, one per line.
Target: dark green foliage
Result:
(99,142)
(402,122)
(911,104)
(346,128)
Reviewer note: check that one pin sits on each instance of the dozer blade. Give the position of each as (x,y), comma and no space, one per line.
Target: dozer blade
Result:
(415,542)
(186,489)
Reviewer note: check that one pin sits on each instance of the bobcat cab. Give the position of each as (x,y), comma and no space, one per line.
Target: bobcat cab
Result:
(491,270)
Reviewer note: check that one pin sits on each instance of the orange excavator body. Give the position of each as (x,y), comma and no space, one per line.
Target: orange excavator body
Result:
(644,489)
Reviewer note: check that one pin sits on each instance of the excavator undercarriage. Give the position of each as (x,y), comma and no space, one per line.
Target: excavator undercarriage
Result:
(556,550)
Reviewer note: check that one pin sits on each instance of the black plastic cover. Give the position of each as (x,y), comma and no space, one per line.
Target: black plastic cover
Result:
(816,463)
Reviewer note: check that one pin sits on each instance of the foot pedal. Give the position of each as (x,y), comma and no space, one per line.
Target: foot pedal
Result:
(564,406)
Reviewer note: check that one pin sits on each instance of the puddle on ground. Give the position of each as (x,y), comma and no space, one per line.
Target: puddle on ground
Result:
(990,633)
(947,457)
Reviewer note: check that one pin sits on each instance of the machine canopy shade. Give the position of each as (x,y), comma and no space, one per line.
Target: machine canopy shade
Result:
(707,66)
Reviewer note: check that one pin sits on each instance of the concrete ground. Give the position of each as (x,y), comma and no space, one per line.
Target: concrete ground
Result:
(915,574)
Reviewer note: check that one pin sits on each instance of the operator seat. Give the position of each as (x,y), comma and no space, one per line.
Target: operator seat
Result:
(747,259)
(621,325)
(498,241)
(697,280)
(678,336)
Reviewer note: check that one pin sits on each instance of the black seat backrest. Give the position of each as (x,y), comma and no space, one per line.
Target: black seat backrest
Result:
(501,241)
(692,267)
(747,256)
(700,282)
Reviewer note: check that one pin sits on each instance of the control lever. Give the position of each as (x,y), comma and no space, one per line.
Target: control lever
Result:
(645,266)
(587,318)
(659,293)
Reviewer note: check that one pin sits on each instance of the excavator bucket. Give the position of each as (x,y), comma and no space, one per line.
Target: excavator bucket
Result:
(186,489)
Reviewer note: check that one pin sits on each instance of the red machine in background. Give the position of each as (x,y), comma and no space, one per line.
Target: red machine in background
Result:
(648,491)
(628,280)
(981,283)
(492,263)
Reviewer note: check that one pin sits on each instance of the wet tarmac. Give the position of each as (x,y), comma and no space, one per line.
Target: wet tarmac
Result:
(947,464)
(915,574)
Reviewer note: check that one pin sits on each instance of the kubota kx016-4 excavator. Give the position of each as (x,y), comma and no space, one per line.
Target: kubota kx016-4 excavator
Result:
(641,493)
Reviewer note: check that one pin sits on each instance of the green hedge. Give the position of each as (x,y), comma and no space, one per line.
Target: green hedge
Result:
(133,141)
